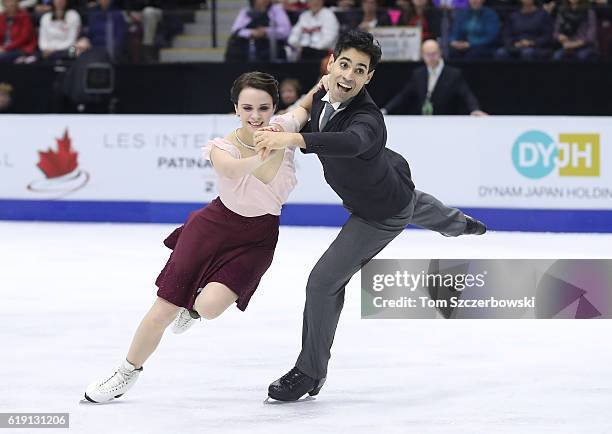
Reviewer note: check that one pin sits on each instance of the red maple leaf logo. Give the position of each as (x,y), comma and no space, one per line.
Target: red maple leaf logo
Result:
(55,164)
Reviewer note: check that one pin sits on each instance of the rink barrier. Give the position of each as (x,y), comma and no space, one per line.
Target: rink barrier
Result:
(516,173)
(528,220)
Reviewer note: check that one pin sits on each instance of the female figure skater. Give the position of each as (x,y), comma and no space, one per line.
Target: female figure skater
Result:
(222,251)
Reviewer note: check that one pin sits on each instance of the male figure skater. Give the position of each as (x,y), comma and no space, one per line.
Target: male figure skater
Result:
(347,132)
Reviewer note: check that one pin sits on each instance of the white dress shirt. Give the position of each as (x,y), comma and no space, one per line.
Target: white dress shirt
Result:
(335,105)
(432,76)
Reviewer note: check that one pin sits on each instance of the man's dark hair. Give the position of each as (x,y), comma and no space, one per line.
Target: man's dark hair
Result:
(255,80)
(360,41)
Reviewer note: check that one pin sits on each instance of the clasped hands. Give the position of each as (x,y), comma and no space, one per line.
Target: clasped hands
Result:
(267,139)
(271,137)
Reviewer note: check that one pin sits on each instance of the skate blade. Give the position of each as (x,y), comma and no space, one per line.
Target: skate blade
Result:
(272,401)
(88,401)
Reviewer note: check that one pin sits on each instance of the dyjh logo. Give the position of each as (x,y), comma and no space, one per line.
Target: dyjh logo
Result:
(536,154)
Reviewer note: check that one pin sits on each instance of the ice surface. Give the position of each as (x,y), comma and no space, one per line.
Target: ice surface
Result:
(73,294)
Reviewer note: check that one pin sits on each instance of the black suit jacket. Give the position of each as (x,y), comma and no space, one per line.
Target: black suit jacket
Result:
(451,96)
(372,181)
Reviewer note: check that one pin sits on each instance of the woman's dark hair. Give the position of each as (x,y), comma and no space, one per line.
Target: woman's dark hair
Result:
(360,41)
(255,80)
(54,11)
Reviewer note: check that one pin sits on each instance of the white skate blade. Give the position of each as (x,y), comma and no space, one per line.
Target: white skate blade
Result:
(86,400)
(272,401)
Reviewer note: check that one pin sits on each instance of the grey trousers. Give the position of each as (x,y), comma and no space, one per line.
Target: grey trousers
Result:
(357,243)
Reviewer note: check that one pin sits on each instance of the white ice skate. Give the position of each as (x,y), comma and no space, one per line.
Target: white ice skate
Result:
(108,388)
(182,322)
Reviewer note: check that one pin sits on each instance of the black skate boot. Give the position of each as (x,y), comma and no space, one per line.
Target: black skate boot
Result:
(473,226)
(293,385)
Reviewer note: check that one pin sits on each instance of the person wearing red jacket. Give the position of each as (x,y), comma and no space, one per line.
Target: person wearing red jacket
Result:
(16,32)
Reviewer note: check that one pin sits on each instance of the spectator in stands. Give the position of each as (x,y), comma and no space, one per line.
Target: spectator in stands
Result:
(527,33)
(145,16)
(315,33)
(16,33)
(576,31)
(474,32)
(435,88)
(420,13)
(106,29)
(369,16)
(259,33)
(58,33)
(290,90)
(5,97)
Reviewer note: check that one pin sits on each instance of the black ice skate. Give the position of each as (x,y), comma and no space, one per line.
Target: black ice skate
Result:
(473,226)
(293,385)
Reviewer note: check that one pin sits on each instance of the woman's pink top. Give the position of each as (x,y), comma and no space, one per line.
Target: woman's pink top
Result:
(248,196)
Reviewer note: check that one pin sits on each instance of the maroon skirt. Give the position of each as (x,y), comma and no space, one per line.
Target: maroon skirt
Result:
(217,245)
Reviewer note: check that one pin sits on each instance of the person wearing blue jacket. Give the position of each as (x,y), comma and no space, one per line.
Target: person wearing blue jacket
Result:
(474,32)
(527,34)
(104,20)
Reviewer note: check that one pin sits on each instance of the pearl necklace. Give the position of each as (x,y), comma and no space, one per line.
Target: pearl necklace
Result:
(251,147)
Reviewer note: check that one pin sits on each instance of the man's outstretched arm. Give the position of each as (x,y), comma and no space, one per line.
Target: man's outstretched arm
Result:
(363,133)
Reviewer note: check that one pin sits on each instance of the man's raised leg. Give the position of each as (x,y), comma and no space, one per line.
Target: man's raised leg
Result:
(430,213)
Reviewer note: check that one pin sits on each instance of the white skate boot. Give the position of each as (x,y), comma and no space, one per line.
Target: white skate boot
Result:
(108,388)
(182,322)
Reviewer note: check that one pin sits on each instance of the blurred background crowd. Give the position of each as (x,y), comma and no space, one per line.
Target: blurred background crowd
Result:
(71,35)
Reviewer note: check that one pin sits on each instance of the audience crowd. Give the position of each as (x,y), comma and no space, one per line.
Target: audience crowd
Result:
(292,30)
(56,31)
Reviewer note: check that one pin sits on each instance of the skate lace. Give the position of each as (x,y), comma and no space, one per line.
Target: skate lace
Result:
(119,376)
(184,318)
(292,377)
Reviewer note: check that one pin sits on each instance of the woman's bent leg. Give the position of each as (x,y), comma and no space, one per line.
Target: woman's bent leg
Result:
(214,299)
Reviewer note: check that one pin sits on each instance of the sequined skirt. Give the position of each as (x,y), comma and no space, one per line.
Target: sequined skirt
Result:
(217,245)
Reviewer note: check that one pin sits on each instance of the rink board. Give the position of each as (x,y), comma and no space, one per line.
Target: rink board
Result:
(517,173)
